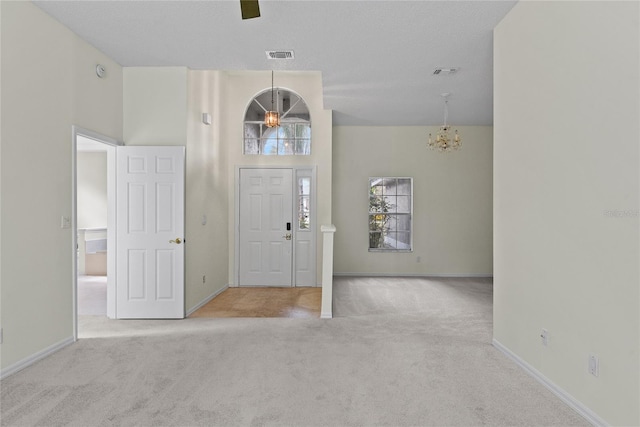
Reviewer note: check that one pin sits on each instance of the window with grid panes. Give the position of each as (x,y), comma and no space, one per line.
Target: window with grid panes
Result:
(390,209)
(304,203)
(292,137)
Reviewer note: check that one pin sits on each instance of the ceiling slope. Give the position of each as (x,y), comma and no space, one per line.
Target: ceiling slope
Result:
(376,57)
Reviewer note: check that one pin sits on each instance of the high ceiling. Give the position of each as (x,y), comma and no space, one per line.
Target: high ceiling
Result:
(376,57)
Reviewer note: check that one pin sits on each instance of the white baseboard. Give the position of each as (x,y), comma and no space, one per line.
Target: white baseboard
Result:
(482,276)
(574,404)
(325,315)
(28,361)
(206,300)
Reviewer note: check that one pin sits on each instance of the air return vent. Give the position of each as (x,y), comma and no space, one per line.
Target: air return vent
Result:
(445,71)
(279,54)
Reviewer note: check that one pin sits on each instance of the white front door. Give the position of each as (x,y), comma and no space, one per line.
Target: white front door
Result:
(266,227)
(150,232)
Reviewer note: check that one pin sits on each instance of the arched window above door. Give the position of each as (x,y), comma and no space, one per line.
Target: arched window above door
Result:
(292,137)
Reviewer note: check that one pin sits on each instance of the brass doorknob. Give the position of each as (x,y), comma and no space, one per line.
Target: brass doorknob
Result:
(287,236)
(177,241)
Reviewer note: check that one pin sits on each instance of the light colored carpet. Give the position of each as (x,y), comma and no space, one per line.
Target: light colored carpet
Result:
(400,352)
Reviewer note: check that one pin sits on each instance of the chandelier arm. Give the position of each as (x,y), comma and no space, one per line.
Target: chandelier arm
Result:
(446,111)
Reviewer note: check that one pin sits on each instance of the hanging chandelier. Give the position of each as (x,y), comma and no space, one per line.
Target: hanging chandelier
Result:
(444,140)
(272,117)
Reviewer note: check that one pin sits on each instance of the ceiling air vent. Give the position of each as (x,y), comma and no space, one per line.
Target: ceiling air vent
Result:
(279,54)
(438,71)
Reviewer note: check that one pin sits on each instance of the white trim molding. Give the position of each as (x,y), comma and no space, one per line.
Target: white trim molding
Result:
(426,275)
(206,300)
(573,403)
(110,147)
(28,361)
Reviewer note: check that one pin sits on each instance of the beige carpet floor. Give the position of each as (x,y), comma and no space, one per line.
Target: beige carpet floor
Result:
(400,352)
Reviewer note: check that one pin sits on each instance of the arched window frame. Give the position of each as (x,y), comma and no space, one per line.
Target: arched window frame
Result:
(292,137)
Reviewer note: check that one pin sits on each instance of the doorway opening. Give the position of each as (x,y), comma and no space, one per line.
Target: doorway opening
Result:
(93,224)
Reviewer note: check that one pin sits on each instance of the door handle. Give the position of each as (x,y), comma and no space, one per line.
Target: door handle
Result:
(287,236)
(177,241)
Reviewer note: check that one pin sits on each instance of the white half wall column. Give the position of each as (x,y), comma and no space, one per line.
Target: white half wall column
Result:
(326,311)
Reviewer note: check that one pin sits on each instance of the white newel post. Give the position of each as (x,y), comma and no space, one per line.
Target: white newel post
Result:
(326,311)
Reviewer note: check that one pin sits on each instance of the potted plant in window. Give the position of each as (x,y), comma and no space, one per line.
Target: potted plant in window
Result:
(378,219)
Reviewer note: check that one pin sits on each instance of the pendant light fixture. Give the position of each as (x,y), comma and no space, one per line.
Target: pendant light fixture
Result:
(272,117)
(444,141)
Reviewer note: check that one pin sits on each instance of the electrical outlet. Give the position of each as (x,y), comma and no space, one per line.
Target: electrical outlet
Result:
(204,279)
(544,337)
(594,365)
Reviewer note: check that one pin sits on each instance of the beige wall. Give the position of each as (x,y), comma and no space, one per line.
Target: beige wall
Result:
(207,252)
(566,197)
(241,87)
(452,212)
(155,105)
(48,84)
(92,189)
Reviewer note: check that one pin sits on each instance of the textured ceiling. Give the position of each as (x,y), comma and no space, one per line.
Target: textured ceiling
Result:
(376,57)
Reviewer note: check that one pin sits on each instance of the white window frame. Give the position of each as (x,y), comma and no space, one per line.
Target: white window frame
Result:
(408,214)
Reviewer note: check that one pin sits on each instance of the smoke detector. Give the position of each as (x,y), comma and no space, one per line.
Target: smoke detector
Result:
(439,71)
(279,54)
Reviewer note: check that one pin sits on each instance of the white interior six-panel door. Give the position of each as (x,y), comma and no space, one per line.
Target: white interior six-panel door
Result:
(150,232)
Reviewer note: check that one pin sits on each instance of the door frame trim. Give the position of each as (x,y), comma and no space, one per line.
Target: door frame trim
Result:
(236,228)
(111,230)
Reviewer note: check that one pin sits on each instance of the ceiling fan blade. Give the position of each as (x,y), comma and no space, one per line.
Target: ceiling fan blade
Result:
(250,9)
